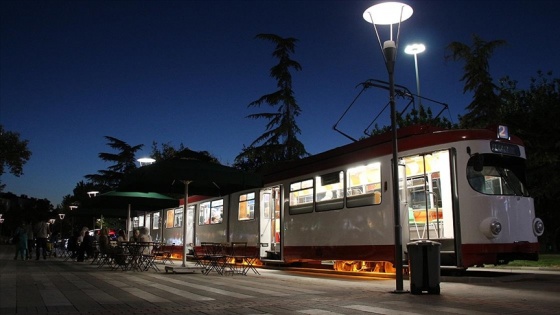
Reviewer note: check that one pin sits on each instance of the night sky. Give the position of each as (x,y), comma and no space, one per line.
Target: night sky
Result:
(72,72)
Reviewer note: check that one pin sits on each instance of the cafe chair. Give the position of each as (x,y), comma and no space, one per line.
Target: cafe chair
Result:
(237,257)
(213,253)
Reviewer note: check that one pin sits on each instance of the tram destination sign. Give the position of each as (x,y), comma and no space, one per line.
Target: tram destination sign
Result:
(505,148)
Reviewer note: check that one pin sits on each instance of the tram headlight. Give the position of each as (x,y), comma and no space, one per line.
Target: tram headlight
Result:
(538,227)
(495,227)
(491,227)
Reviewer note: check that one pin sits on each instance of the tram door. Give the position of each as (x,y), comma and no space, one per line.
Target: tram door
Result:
(429,196)
(270,224)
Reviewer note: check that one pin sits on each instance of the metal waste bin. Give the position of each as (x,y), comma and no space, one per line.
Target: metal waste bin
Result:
(424,266)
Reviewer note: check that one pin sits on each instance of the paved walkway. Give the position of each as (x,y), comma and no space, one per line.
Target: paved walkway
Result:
(54,286)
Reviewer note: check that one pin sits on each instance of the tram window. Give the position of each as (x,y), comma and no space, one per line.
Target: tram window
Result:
(204,213)
(178,218)
(329,191)
(301,192)
(246,207)
(417,192)
(169,218)
(499,175)
(417,187)
(211,212)
(156,222)
(329,186)
(301,196)
(217,211)
(363,185)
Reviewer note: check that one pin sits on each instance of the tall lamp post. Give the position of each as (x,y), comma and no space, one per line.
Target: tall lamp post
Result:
(61,216)
(91,194)
(416,49)
(129,225)
(389,13)
(72,207)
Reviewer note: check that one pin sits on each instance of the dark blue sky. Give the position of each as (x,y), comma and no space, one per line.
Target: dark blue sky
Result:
(72,72)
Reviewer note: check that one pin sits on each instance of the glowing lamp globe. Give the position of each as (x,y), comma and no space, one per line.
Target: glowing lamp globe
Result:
(387,13)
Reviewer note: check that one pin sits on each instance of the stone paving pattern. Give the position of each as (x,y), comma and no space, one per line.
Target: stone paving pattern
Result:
(54,286)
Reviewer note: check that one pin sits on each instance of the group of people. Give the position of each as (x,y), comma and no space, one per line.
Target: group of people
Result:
(26,236)
(86,242)
(81,245)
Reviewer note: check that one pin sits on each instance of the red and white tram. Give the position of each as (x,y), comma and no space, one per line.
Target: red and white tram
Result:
(462,188)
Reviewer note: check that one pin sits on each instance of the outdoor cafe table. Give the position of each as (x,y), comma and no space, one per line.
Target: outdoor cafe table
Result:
(138,256)
(227,258)
(239,252)
(214,257)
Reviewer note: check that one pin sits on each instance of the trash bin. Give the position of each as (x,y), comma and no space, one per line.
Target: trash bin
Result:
(424,266)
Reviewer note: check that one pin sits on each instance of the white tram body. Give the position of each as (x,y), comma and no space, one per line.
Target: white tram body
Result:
(462,188)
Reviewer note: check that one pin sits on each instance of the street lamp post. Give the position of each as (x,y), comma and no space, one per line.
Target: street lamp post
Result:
(94,193)
(416,49)
(389,13)
(61,216)
(129,225)
(72,207)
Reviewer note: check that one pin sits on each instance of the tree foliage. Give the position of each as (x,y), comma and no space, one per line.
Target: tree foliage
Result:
(421,116)
(485,106)
(13,153)
(164,151)
(18,209)
(124,162)
(279,142)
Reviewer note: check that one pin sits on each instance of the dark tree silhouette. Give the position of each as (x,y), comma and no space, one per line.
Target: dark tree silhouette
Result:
(124,162)
(13,153)
(485,108)
(279,142)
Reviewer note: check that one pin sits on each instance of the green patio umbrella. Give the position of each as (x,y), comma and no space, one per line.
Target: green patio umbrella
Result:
(117,203)
(139,200)
(187,176)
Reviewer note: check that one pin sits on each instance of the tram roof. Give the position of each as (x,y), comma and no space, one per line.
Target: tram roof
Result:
(410,137)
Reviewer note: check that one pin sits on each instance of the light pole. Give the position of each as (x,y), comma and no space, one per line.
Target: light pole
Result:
(416,49)
(94,193)
(61,216)
(129,225)
(72,207)
(389,13)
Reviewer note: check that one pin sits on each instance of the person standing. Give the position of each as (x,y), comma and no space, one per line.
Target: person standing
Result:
(86,245)
(21,244)
(42,231)
(30,240)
